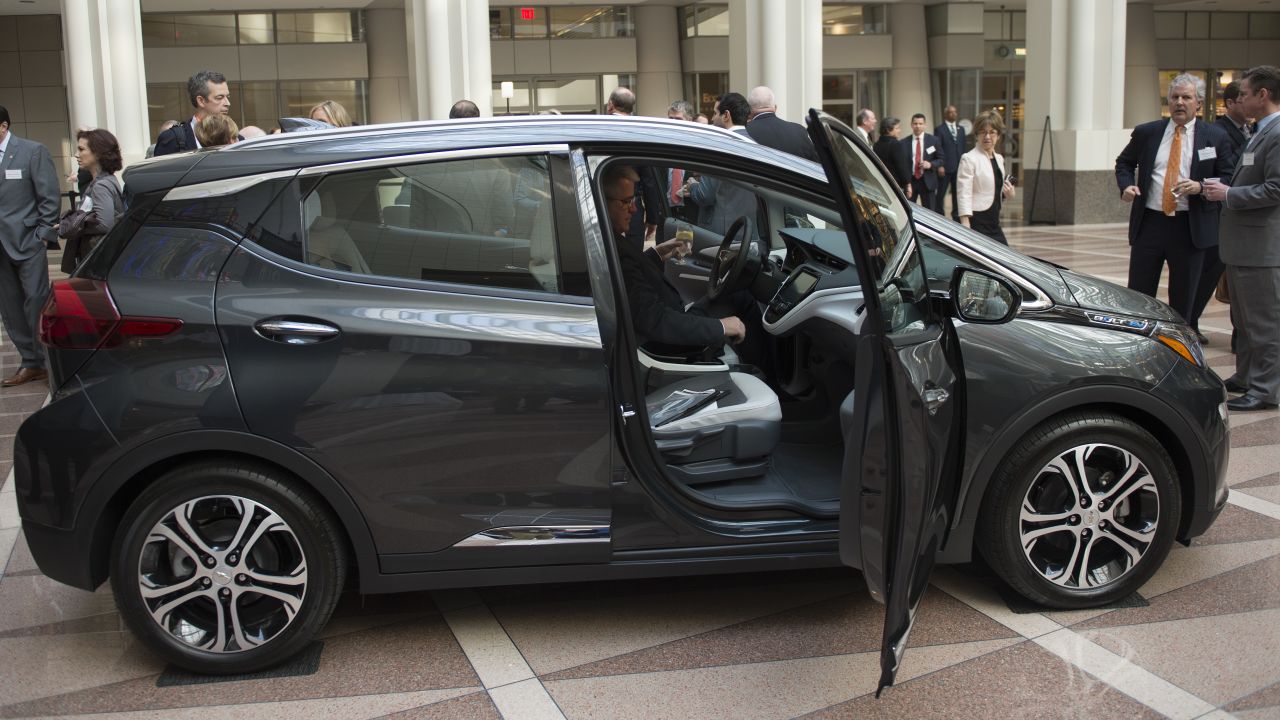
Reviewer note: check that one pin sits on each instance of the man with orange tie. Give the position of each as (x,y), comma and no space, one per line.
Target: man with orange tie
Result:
(1161,172)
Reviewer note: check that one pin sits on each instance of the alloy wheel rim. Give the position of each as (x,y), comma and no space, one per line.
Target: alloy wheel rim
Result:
(222,573)
(1089,516)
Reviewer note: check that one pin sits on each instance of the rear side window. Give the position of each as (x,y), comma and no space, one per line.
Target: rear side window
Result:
(485,222)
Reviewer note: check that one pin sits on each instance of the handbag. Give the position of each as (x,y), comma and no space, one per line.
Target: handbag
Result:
(1223,291)
(71,224)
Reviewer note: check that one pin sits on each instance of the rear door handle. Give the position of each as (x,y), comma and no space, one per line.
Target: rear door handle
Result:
(296,332)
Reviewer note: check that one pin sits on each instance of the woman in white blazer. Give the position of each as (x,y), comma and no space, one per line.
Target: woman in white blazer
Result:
(981,171)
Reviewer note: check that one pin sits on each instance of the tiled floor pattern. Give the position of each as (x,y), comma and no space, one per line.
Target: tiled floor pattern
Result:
(775,645)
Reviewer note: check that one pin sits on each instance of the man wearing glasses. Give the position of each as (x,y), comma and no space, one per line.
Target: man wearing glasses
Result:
(657,311)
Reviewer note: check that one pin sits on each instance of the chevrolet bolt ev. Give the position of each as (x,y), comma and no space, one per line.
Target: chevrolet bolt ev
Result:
(403,357)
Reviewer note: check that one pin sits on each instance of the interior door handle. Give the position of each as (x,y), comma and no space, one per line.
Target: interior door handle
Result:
(296,332)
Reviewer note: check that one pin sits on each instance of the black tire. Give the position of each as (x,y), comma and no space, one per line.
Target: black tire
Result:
(1088,545)
(299,556)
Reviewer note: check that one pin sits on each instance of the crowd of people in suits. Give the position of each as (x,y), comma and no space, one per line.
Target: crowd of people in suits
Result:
(1205,200)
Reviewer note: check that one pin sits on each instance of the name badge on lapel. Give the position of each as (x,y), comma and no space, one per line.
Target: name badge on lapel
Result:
(13,174)
(1208,153)
(931,150)
(1246,159)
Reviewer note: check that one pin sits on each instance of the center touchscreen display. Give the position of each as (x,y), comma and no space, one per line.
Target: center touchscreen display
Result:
(803,283)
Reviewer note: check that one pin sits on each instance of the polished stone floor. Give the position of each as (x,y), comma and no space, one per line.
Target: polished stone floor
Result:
(764,646)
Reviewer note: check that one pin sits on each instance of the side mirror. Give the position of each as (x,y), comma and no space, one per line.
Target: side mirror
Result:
(980,296)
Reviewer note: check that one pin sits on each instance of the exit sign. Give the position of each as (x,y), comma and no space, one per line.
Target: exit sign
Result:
(526,13)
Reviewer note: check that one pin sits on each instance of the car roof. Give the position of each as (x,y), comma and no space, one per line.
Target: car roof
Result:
(274,153)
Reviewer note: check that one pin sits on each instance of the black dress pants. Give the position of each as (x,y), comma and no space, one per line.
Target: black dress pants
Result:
(1163,239)
(921,193)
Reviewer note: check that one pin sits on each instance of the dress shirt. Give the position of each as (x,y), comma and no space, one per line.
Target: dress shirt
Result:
(195,134)
(4,146)
(917,151)
(1155,191)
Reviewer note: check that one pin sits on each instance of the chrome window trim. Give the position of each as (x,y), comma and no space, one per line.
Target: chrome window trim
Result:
(440,156)
(225,186)
(1041,302)
(539,535)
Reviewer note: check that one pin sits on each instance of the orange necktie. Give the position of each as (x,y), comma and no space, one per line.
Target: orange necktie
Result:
(1168,202)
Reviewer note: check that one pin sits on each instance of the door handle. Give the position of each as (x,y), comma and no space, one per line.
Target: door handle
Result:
(296,332)
(934,397)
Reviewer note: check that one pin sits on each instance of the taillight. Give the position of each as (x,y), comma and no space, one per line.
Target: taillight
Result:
(80,315)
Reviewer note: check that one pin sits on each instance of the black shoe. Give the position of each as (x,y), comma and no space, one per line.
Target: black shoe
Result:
(1200,336)
(1248,403)
(1235,387)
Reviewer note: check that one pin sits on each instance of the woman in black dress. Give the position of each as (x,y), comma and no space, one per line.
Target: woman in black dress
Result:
(981,183)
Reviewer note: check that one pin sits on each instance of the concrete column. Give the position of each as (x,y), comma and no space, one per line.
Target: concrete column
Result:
(787,57)
(1075,52)
(658,70)
(130,121)
(448,53)
(1141,72)
(910,91)
(106,83)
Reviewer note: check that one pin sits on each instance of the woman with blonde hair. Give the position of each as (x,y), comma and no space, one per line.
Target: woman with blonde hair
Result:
(981,183)
(332,113)
(216,130)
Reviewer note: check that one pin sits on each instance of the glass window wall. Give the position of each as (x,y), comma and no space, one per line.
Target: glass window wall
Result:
(705,20)
(251,28)
(853,19)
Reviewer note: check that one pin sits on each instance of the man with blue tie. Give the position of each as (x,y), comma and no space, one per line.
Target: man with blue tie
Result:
(951,134)
(1160,172)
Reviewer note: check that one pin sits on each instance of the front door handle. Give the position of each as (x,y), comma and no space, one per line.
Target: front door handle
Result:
(296,332)
(934,397)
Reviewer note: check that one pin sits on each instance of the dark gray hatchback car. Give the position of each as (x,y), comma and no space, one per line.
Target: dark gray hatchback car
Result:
(404,357)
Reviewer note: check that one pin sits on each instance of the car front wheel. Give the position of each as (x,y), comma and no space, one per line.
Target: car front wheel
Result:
(227,568)
(1082,512)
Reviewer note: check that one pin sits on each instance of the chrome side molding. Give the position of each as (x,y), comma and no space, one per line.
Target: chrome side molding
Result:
(537,535)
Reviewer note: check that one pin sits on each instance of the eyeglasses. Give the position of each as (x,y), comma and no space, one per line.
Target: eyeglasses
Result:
(625,201)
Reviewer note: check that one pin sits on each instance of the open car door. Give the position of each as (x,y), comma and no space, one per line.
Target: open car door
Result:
(902,449)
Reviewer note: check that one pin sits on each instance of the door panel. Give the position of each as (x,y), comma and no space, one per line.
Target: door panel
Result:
(902,451)
(422,346)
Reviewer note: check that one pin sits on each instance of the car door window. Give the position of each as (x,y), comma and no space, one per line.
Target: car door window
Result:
(900,278)
(481,221)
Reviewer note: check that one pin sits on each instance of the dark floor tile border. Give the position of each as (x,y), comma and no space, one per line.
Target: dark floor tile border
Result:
(1022,606)
(306,662)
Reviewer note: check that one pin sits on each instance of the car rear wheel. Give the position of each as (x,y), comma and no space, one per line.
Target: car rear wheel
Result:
(1082,512)
(227,568)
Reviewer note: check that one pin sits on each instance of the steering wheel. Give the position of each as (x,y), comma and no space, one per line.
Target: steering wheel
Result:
(730,274)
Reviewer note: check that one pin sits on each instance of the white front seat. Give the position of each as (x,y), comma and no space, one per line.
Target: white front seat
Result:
(715,416)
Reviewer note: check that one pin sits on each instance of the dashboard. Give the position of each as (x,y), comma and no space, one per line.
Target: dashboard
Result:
(820,280)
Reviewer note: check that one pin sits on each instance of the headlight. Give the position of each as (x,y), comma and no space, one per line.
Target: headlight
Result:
(1182,340)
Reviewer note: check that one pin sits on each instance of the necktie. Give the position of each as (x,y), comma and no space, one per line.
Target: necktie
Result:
(673,187)
(919,170)
(953,133)
(1172,166)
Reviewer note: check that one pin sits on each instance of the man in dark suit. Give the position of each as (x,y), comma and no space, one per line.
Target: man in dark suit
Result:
(1251,245)
(766,128)
(1238,129)
(209,96)
(951,133)
(921,160)
(1160,172)
(29,204)
(657,310)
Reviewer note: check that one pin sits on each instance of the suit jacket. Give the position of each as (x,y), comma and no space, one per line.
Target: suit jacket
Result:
(1233,133)
(651,205)
(907,161)
(1135,162)
(179,138)
(953,148)
(1251,220)
(28,206)
(886,148)
(769,129)
(657,310)
(975,183)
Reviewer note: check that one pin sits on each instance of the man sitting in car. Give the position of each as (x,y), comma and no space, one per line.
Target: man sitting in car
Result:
(658,313)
